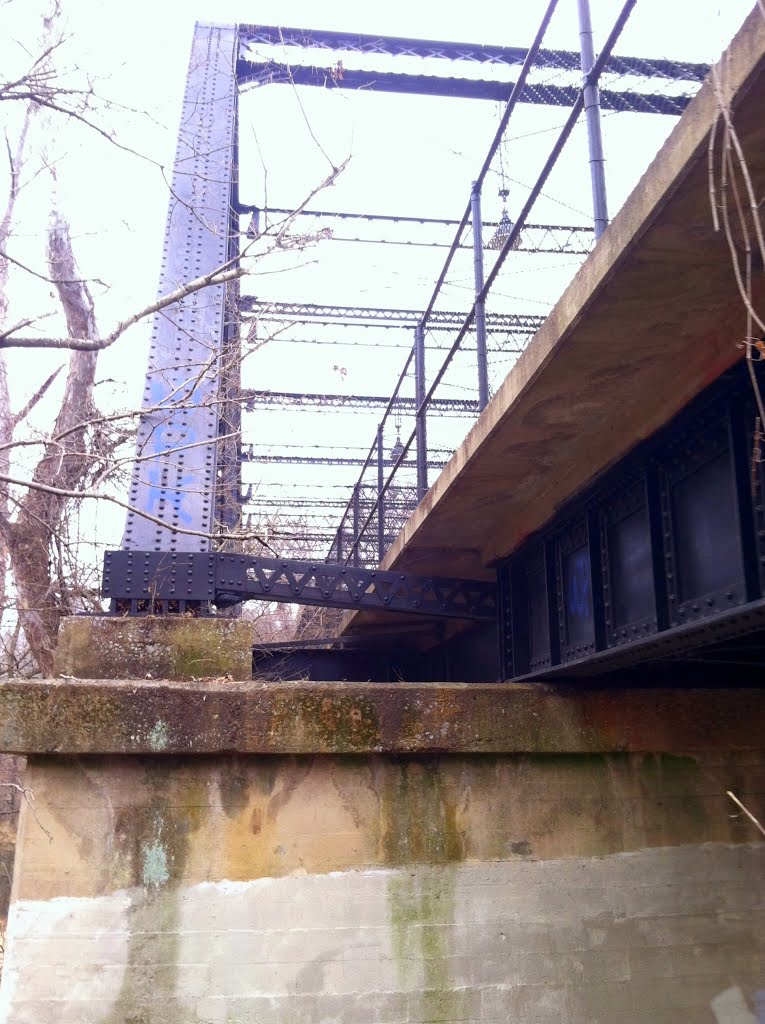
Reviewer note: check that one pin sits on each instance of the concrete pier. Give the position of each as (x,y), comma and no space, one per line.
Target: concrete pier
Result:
(235,851)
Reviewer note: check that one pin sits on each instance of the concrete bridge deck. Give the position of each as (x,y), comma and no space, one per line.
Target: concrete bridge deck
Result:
(653,316)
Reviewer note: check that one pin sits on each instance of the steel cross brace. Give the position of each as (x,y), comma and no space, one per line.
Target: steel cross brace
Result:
(255,35)
(147,582)
(439,318)
(271,72)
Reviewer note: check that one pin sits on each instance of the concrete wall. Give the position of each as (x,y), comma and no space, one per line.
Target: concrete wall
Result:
(378,888)
(11,780)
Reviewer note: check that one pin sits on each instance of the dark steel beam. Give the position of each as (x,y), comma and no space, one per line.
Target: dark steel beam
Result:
(273,73)
(399,46)
(142,582)
(658,558)
(669,647)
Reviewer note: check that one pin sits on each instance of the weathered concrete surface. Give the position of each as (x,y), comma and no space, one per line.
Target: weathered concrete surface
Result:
(169,647)
(652,317)
(619,888)
(150,716)
(11,783)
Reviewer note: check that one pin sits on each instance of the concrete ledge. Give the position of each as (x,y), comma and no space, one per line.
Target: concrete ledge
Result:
(161,717)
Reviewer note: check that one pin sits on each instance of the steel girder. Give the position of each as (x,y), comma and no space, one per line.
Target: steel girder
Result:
(269,72)
(398,46)
(571,239)
(664,554)
(256,400)
(149,582)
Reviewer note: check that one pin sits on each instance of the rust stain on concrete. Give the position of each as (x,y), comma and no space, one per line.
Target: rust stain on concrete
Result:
(151,824)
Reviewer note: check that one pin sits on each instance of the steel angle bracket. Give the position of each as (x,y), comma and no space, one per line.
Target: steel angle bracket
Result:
(155,582)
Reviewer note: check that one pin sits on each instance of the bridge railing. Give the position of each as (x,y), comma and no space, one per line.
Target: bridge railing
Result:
(398,468)
(448,378)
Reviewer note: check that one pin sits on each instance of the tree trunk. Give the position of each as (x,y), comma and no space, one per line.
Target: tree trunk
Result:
(7,421)
(65,462)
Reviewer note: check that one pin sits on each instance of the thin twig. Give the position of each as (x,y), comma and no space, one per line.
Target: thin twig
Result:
(36,397)
(747,812)
(63,492)
(30,799)
(214,278)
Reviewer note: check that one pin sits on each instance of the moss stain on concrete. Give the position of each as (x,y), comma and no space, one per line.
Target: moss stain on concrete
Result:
(418,813)
(345,724)
(196,653)
(676,779)
(157,841)
(421,905)
(234,785)
(170,648)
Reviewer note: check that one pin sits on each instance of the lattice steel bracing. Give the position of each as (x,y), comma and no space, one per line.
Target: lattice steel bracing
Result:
(400,46)
(306,400)
(270,72)
(177,454)
(441,319)
(344,226)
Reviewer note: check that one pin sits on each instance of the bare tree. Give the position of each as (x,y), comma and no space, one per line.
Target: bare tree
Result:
(64,463)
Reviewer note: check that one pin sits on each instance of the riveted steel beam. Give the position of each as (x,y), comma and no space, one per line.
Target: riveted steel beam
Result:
(177,447)
(151,581)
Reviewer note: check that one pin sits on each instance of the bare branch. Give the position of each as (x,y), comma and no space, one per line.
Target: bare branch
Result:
(216,277)
(44,277)
(29,797)
(748,813)
(40,393)
(63,492)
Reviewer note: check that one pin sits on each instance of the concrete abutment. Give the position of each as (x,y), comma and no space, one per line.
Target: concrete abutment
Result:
(214,850)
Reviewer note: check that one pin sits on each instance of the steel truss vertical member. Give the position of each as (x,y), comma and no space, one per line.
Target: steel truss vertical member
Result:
(591,93)
(419,401)
(480,302)
(175,477)
(356,521)
(380,495)
(228,497)
(339,539)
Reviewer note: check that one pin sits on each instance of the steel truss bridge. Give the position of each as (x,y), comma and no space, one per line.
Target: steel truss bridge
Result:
(190,544)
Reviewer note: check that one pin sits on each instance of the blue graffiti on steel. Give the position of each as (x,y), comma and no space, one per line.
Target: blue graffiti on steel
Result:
(579,596)
(165,445)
